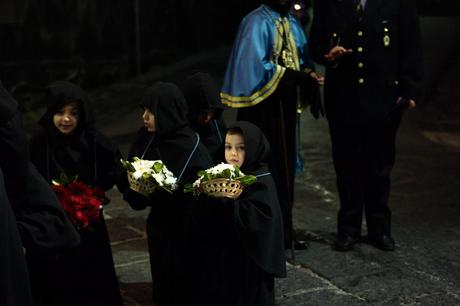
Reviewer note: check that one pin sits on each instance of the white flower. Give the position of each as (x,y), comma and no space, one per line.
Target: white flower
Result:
(141,167)
(145,170)
(170,180)
(216,170)
(197,183)
(159,177)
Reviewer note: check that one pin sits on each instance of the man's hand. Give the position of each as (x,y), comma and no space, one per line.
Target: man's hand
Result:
(318,77)
(410,104)
(337,53)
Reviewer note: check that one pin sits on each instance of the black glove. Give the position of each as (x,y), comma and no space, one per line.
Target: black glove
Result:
(299,78)
(309,90)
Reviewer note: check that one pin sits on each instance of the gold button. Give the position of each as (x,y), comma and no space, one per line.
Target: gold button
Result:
(385,29)
(360,65)
(360,33)
(361,81)
(360,49)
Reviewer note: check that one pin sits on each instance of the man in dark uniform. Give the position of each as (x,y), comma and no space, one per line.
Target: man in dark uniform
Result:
(371,50)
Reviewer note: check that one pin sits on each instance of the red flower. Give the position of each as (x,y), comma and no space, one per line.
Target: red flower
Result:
(81,202)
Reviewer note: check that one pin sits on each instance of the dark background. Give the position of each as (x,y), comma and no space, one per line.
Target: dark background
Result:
(97,41)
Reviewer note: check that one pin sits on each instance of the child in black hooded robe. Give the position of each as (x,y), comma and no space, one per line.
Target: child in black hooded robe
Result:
(205,110)
(69,144)
(236,246)
(166,136)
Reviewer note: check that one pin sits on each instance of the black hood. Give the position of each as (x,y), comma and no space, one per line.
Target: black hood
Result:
(201,93)
(256,145)
(8,105)
(276,5)
(60,93)
(167,103)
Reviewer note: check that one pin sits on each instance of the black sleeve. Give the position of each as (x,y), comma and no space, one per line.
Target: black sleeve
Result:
(410,50)
(14,288)
(258,220)
(42,222)
(14,155)
(120,174)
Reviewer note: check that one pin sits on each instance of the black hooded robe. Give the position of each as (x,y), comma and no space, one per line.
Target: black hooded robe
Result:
(181,150)
(14,280)
(84,275)
(41,222)
(236,246)
(202,94)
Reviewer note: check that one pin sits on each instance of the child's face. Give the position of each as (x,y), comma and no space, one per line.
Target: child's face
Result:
(66,119)
(149,121)
(234,149)
(206,116)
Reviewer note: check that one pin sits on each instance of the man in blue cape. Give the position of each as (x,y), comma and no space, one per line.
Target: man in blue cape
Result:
(267,65)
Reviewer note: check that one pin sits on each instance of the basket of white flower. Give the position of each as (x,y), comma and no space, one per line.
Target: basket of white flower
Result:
(223,180)
(146,176)
(141,185)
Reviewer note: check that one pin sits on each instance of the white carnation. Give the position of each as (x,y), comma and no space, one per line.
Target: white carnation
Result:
(164,178)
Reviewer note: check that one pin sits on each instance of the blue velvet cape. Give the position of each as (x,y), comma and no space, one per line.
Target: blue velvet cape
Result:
(253,72)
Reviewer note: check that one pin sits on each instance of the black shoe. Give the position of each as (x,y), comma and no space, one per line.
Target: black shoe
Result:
(298,245)
(345,243)
(385,243)
(301,245)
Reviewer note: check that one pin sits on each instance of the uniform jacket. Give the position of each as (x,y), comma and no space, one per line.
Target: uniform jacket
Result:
(385,63)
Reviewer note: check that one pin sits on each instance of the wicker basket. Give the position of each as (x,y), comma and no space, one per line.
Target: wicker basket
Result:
(222,188)
(142,186)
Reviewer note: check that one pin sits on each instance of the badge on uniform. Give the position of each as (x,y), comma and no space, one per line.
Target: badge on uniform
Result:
(386,37)
(335,40)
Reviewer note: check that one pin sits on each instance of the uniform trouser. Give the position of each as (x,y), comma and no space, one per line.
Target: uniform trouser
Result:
(363,157)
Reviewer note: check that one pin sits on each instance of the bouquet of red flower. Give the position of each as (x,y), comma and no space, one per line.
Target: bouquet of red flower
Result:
(81,202)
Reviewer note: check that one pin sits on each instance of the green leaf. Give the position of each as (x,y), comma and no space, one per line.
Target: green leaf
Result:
(208,176)
(227,173)
(188,188)
(247,180)
(146,176)
(127,165)
(157,167)
(201,173)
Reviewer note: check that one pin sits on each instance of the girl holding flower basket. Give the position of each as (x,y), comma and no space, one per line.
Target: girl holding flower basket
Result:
(70,146)
(167,139)
(236,245)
